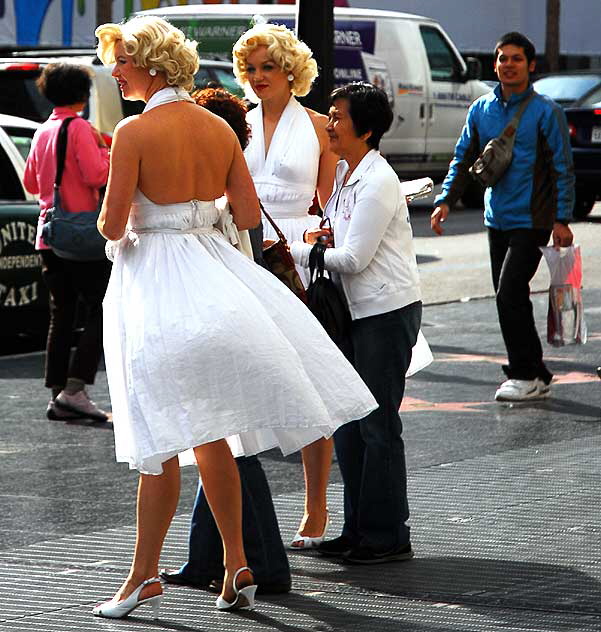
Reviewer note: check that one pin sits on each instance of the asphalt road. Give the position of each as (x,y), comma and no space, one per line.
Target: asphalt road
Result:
(456,267)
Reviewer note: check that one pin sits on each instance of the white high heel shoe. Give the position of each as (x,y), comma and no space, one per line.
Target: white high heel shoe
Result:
(301,542)
(119,609)
(245,597)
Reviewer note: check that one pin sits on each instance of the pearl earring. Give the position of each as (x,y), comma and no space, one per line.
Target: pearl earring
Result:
(152,72)
(290,77)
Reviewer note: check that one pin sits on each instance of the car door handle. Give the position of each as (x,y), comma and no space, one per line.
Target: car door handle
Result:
(422,110)
(431,111)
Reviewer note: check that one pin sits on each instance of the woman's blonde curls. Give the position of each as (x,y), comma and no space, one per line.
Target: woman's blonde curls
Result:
(284,48)
(152,43)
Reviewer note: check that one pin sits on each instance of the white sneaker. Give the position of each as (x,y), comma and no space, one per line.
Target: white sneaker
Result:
(80,404)
(522,390)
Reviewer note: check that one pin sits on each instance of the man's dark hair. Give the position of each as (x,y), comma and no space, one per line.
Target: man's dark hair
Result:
(65,84)
(369,110)
(516,39)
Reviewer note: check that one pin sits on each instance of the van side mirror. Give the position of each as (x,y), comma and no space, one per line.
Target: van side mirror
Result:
(474,68)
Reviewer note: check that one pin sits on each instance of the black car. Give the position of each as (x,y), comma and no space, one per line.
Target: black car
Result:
(579,93)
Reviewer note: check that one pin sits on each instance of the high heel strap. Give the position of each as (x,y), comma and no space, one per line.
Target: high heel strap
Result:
(240,570)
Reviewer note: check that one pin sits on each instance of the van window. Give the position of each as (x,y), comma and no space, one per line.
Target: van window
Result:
(10,185)
(444,65)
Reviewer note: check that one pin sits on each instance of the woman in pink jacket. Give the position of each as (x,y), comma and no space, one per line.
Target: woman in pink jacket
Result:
(67,87)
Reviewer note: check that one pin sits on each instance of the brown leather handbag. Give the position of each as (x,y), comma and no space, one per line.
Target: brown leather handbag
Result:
(278,259)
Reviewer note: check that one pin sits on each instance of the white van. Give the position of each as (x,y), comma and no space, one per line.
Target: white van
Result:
(411,57)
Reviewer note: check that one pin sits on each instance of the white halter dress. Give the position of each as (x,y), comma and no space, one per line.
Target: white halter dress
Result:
(286,176)
(203,344)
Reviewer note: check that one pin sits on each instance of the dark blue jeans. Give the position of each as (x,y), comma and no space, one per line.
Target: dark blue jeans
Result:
(514,259)
(370,451)
(262,540)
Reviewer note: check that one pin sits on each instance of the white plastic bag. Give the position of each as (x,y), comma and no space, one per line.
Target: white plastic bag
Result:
(565,317)
(421,356)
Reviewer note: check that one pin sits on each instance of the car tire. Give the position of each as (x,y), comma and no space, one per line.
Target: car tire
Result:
(473,196)
(585,200)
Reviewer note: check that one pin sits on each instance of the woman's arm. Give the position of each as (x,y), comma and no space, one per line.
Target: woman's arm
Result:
(30,176)
(241,193)
(327,159)
(123,180)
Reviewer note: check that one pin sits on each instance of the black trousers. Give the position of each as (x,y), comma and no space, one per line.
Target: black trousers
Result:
(70,283)
(371,451)
(261,533)
(514,258)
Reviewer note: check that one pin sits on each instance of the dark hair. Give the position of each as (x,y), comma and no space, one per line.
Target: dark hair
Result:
(229,107)
(65,84)
(516,39)
(369,109)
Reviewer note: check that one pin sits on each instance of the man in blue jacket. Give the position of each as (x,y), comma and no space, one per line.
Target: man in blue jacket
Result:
(532,201)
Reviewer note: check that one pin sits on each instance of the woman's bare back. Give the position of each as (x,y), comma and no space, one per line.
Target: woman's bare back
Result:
(186,153)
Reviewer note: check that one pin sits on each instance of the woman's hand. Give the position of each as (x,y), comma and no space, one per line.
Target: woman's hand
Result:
(319,234)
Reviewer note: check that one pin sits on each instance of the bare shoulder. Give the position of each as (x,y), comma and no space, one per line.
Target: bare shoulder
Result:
(319,123)
(128,127)
(319,120)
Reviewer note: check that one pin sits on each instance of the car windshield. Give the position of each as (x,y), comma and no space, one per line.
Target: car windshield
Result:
(565,89)
(21,137)
(19,96)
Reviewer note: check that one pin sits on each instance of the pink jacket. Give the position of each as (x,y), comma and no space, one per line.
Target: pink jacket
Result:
(86,166)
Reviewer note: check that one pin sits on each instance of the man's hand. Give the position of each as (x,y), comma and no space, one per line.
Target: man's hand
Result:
(439,214)
(98,137)
(562,235)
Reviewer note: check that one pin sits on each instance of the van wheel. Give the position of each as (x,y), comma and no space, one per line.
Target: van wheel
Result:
(473,196)
(585,200)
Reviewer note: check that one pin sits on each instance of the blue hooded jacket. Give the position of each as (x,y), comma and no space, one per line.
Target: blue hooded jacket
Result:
(538,187)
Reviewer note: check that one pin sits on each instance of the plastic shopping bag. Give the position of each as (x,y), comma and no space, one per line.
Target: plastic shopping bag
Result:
(565,317)
(421,356)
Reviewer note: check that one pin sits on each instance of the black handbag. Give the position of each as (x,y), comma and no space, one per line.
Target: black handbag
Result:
(71,235)
(324,300)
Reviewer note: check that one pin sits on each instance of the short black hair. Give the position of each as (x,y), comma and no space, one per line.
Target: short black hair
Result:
(516,39)
(65,84)
(369,109)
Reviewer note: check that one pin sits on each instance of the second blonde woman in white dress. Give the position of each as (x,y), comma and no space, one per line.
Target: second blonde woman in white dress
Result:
(290,161)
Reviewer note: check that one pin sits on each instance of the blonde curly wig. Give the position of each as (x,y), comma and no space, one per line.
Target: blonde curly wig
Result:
(287,51)
(152,43)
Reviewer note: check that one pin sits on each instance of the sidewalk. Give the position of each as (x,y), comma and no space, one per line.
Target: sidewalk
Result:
(504,498)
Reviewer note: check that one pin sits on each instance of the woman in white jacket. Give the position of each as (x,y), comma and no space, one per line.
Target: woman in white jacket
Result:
(371,259)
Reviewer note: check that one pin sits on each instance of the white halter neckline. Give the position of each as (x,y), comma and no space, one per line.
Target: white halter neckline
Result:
(167,95)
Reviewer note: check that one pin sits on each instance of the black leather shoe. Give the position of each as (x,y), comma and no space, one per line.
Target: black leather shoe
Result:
(363,555)
(263,588)
(338,547)
(179,579)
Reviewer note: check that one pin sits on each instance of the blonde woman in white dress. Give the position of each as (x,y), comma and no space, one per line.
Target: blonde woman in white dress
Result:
(201,366)
(289,160)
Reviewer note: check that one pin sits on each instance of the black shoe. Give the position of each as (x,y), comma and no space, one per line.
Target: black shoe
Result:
(179,579)
(363,555)
(338,547)
(263,588)
(599,371)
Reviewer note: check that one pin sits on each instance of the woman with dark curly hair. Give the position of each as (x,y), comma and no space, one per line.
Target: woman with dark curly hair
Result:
(67,87)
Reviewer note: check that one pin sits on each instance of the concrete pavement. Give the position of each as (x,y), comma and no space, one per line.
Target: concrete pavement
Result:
(504,501)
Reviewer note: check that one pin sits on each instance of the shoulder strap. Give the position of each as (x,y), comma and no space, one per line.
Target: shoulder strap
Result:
(278,232)
(61,151)
(508,134)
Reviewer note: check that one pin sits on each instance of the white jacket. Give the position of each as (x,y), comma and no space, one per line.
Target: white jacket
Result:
(373,253)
